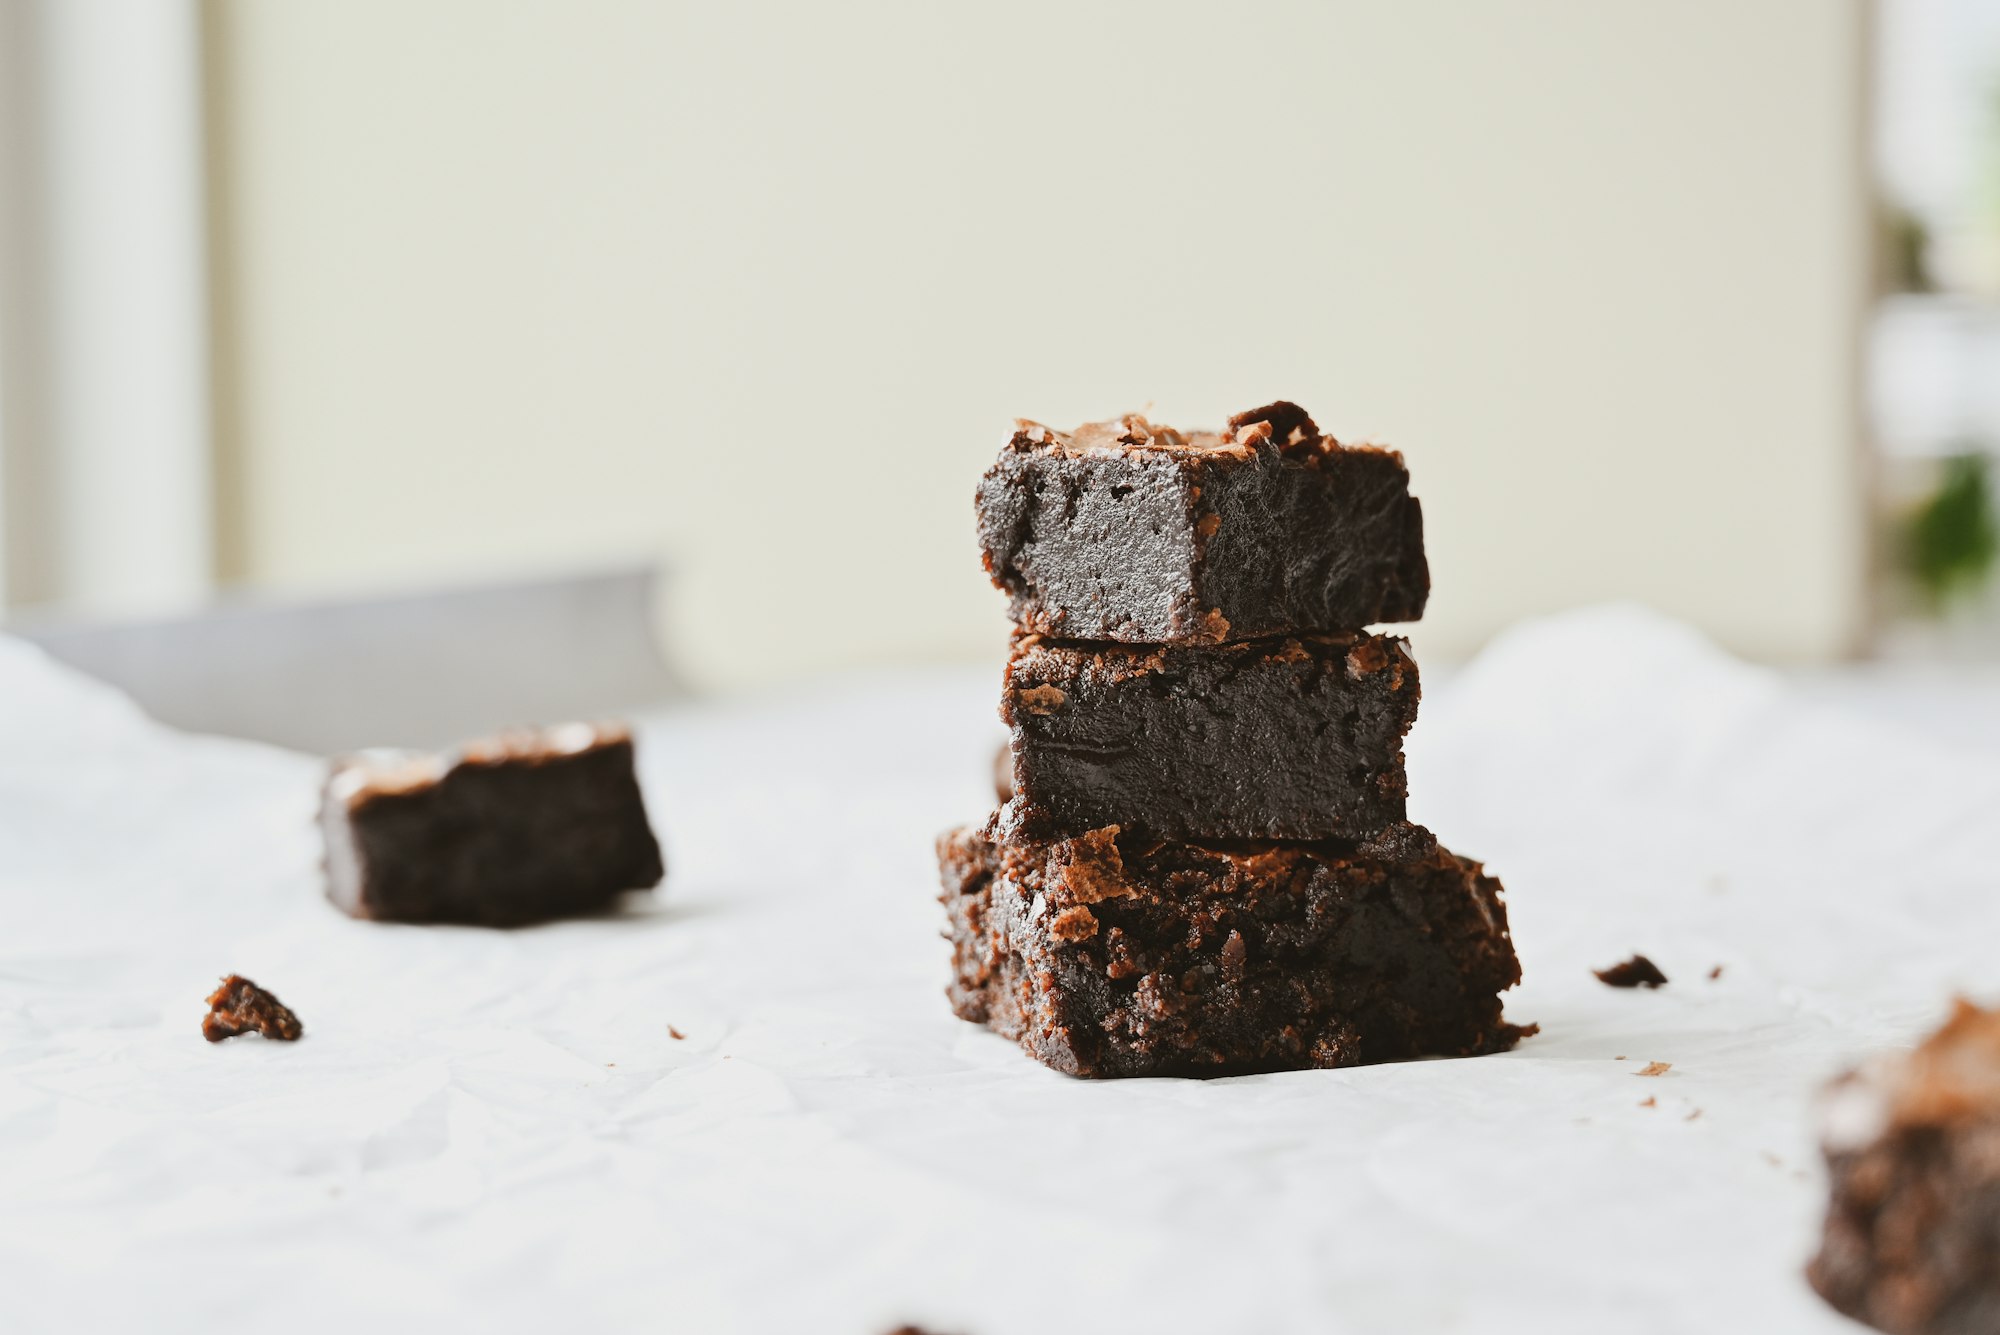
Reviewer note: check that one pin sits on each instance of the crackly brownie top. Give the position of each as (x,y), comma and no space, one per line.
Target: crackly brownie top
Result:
(1112,863)
(384,771)
(1951,1079)
(1282,426)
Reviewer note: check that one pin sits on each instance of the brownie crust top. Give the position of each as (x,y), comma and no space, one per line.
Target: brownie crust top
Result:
(1284,425)
(1951,1079)
(359,777)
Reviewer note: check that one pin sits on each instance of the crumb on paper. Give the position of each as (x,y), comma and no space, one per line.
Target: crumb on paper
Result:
(1715,973)
(239,1006)
(1649,1102)
(675,1034)
(1773,1160)
(1691,1116)
(1654,1068)
(1619,1058)
(1635,972)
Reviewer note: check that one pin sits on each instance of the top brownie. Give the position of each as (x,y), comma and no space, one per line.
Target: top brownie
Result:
(1129,531)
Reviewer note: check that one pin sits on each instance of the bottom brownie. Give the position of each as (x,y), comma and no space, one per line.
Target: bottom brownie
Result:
(1912,1240)
(1107,956)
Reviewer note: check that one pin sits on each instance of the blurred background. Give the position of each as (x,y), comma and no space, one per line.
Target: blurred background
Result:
(313,307)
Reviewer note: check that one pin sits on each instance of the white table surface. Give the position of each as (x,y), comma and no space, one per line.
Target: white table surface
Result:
(496,1131)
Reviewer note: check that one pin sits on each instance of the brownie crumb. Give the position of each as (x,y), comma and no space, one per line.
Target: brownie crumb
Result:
(1649,1102)
(1635,972)
(240,1006)
(1654,1068)
(1715,973)
(1691,1116)
(675,1034)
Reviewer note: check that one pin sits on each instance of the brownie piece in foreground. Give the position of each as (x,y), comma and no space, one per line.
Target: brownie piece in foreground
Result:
(530,825)
(1108,955)
(1912,1142)
(1129,531)
(1291,738)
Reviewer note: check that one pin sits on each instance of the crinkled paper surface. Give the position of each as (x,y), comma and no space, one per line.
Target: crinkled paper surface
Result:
(497,1131)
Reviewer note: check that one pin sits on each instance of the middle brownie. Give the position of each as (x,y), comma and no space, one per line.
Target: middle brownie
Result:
(1286,738)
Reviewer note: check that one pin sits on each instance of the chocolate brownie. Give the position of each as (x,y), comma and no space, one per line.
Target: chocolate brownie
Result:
(1113,955)
(1912,1142)
(530,825)
(1288,738)
(1129,531)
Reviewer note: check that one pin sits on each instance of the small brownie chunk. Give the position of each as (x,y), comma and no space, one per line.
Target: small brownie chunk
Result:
(1129,531)
(239,1006)
(1291,738)
(1912,1142)
(1635,972)
(1109,955)
(530,825)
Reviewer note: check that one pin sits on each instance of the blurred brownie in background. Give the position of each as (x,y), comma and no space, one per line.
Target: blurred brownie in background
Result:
(529,825)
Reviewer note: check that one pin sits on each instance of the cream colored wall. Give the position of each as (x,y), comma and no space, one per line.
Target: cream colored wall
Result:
(759,288)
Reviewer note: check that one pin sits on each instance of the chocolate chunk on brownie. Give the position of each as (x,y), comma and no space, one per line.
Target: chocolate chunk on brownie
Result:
(1912,1142)
(1111,955)
(1288,738)
(531,825)
(239,1006)
(1129,531)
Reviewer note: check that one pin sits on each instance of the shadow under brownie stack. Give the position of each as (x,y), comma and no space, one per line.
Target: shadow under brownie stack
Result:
(1203,867)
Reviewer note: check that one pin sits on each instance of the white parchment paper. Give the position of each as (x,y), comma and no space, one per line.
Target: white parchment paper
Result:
(497,1131)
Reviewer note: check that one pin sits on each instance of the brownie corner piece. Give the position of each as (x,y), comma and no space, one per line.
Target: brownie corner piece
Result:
(1107,955)
(1294,737)
(1911,1242)
(1128,530)
(534,824)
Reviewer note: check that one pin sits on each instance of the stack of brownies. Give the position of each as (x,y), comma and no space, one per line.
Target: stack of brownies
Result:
(1203,867)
